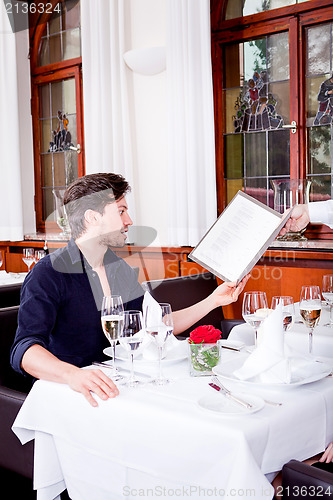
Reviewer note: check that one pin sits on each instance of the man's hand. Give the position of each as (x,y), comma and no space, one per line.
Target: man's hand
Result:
(298,220)
(328,454)
(228,292)
(88,381)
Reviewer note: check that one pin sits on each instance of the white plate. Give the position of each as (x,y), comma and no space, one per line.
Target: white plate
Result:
(222,404)
(122,355)
(225,370)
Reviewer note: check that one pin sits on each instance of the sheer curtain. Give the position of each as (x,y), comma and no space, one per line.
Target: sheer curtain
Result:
(11,214)
(105,98)
(191,162)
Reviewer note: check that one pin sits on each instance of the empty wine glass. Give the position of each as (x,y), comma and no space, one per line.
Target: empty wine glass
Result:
(159,328)
(39,254)
(112,317)
(28,257)
(131,339)
(255,310)
(288,310)
(310,309)
(327,292)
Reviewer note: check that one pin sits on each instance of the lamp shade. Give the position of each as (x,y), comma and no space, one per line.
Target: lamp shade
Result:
(146,61)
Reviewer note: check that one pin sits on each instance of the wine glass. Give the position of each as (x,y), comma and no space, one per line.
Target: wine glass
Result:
(1,258)
(159,329)
(39,254)
(112,317)
(327,292)
(255,310)
(310,309)
(131,339)
(28,257)
(288,310)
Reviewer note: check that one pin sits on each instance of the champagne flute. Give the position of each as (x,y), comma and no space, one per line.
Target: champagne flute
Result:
(288,310)
(28,257)
(255,310)
(159,329)
(310,309)
(131,339)
(327,292)
(112,317)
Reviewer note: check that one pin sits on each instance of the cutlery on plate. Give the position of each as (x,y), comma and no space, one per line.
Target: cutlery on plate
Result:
(216,384)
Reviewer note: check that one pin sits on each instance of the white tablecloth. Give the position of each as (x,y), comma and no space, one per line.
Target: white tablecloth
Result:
(11,278)
(152,442)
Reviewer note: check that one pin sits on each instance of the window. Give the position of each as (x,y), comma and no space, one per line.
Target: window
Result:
(56,107)
(272,72)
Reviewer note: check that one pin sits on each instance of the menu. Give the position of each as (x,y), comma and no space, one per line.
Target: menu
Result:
(238,238)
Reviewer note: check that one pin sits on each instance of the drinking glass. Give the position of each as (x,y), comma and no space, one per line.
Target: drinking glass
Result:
(327,292)
(39,254)
(255,310)
(159,329)
(112,317)
(28,257)
(131,339)
(288,310)
(310,309)
(1,258)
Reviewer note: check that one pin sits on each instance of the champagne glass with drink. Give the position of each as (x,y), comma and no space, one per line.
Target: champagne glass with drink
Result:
(327,292)
(28,257)
(159,328)
(131,340)
(255,310)
(288,310)
(112,317)
(310,309)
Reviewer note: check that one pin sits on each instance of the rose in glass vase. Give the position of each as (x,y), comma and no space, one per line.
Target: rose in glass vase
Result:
(204,352)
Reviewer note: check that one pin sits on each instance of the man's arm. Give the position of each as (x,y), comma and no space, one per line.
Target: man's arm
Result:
(320,212)
(41,364)
(223,295)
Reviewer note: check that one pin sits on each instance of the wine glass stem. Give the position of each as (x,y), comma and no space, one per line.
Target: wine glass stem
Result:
(132,368)
(256,338)
(114,355)
(310,341)
(160,351)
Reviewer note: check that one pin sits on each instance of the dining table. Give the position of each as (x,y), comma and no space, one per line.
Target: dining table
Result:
(183,439)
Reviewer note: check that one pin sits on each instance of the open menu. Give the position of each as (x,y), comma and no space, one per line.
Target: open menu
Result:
(238,238)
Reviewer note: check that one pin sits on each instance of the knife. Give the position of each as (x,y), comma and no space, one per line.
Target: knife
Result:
(231,396)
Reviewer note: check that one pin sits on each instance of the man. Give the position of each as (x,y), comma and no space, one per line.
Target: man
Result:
(320,212)
(59,327)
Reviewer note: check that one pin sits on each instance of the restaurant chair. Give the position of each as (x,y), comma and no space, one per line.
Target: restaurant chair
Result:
(300,480)
(10,295)
(184,291)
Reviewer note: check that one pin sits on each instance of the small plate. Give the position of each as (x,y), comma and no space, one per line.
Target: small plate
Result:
(222,404)
(173,356)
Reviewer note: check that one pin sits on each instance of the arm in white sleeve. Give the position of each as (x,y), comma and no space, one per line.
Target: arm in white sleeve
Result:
(321,212)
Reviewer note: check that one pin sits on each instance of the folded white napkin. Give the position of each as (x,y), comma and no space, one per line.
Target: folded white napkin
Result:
(269,363)
(152,314)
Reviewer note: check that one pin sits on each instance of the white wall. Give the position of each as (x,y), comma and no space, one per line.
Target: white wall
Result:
(146,27)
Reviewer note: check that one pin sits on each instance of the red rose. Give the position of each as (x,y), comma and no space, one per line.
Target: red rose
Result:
(207,334)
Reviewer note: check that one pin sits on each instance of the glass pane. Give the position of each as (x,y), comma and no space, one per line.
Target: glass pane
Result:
(46,135)
(71,17)
(48,207)
(233,156)
(44,57)
(232,186)
(55,44)
(319,53)
(72,44)
(278,103)
(44,98)
(69,98)
(59,169)
(71,135)
(71,166)
(319,150)
(232,102)
(315,109)
(56,97)
(255,6)
(279,153)
(54,25)
(47,173)
(278,57)
(257,188)
(321,188)
(233,65)
(255,154)
(254,57)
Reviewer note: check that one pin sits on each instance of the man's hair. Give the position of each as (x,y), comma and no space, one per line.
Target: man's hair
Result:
(94,192)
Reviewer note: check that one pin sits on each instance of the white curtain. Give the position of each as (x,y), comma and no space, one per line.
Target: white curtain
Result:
(11,214)
(105,98)
(191,162)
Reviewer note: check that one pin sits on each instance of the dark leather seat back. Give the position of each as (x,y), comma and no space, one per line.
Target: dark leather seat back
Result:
(10,295)
(300,477)
(185,291)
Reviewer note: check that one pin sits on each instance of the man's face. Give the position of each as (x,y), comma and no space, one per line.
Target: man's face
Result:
(114,224)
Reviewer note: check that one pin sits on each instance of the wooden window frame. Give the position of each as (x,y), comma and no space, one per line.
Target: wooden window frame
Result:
(47,74)
(293,19)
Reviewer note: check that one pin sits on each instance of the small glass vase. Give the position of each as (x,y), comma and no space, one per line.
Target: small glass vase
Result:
(203,358)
